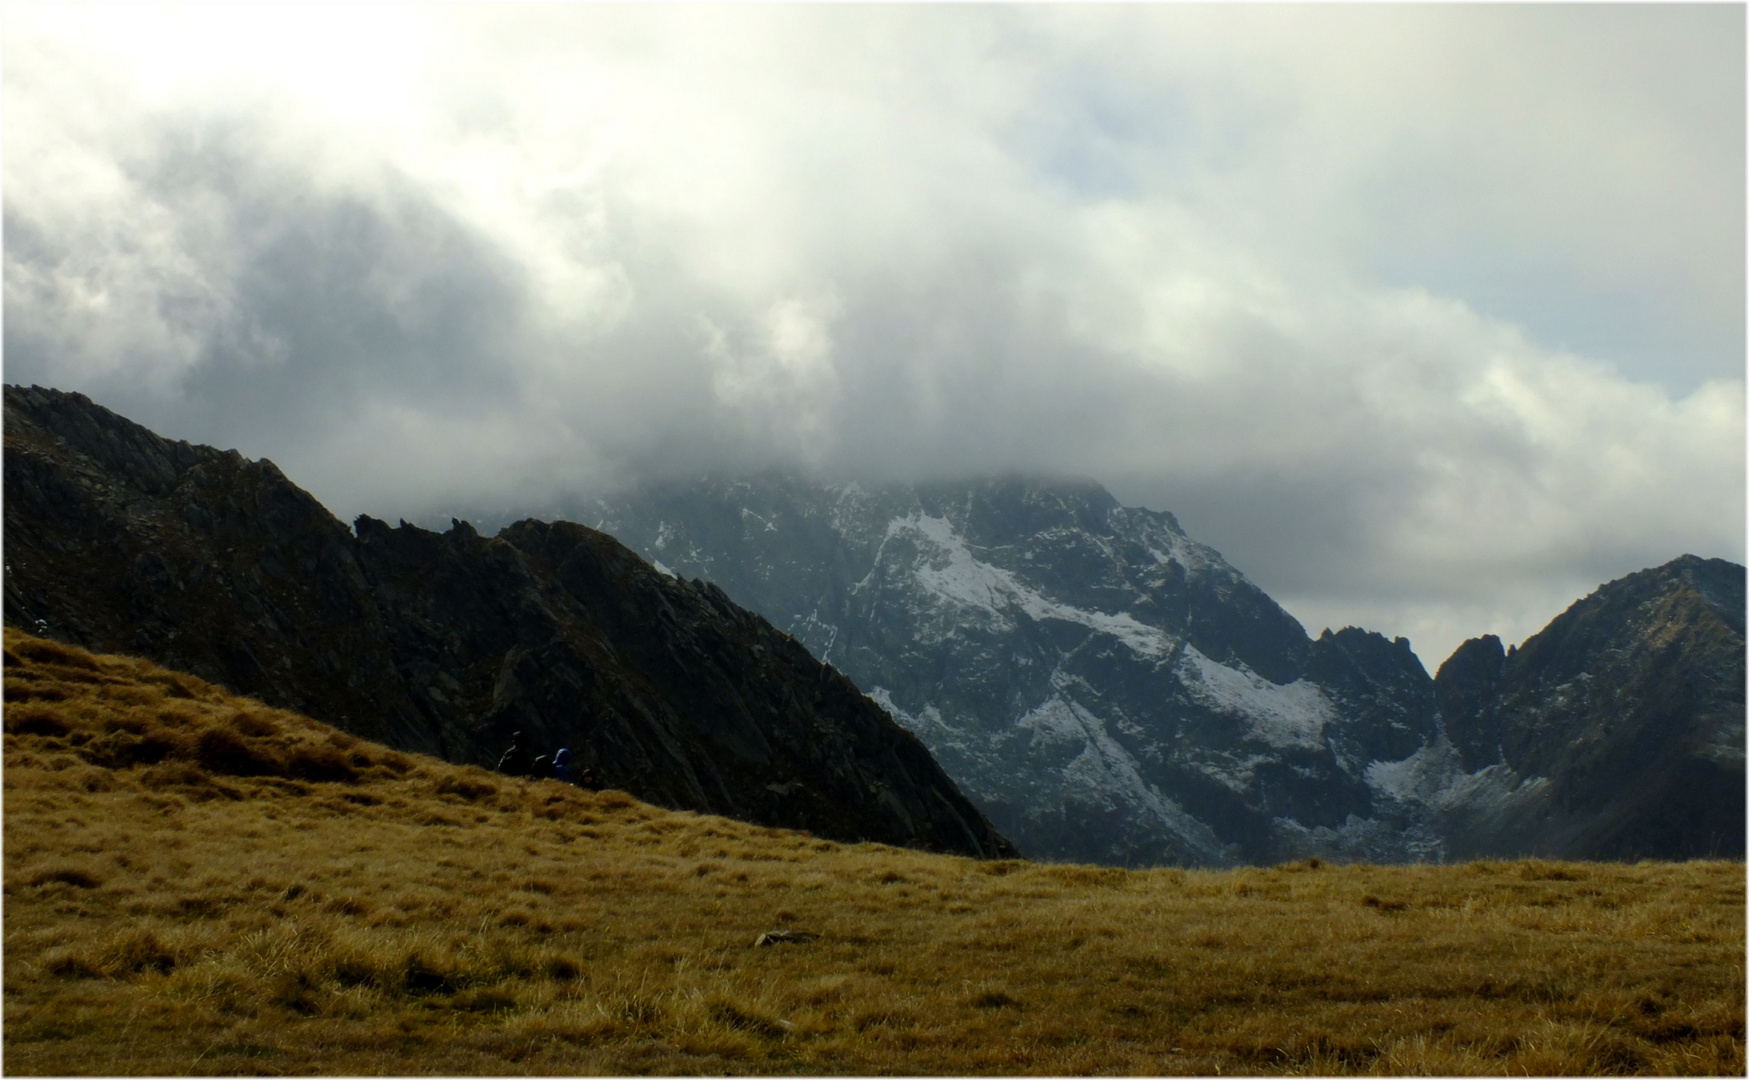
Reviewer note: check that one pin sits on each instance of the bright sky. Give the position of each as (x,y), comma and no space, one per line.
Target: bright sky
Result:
(1430,318)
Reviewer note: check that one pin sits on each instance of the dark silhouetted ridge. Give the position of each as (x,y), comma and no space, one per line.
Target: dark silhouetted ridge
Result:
(199,559)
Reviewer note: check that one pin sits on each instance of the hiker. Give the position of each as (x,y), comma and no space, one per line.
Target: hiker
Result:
(516,761)
(562,765)
(588,781)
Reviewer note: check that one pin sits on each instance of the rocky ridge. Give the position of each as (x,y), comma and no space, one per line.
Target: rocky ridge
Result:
(120,541)
(1109,690)
(1629,706)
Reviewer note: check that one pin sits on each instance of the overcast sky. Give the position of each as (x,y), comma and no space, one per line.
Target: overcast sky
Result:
(1430,318)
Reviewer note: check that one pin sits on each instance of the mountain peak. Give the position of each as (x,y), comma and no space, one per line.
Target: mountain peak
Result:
(1108,689)
(1630,704)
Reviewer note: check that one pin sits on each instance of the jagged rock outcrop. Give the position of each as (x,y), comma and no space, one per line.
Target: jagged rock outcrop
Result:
(1629,706)
(120,541)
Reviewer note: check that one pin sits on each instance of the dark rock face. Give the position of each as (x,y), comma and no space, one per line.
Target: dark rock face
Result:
(1466,688)
(1108,690)
(1379,686)
(1630,705)
(118,540)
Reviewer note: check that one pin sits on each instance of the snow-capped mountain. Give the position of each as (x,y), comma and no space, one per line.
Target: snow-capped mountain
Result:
(1104,687)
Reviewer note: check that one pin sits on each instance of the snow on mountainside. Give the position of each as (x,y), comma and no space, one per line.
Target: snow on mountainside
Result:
(978,590)
(1284,717)
(1102,686)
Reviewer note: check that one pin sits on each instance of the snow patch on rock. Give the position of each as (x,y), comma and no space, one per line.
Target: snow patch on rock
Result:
(1285,717)
(1056,721)
(1107,773)
(1434,777)
(1231,771)
(929,717)
(958,576)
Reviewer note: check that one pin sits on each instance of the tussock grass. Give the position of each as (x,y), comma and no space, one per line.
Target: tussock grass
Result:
(196,883)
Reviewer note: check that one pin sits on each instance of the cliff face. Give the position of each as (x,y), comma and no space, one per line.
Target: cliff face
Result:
(1630,705)
(446,643)
(1107,689)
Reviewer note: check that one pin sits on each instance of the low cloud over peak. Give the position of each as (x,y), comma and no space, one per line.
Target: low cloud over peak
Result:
(1423,316)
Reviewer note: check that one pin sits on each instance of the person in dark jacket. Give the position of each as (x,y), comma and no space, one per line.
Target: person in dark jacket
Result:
(587,780)
(516,761)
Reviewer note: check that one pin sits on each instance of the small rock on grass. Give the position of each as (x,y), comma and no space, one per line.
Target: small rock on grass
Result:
(783,937)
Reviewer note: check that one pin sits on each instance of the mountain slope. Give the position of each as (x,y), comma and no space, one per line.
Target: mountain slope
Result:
(446,643)
(1630,703)
(197,884)
(1104,687)
(1107,689)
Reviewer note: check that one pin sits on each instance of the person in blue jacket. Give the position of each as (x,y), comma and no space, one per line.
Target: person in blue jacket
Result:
(562,765)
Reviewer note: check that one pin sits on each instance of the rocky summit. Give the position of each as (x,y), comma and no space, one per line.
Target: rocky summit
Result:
(1107,689)
(1628,708)
(121,541)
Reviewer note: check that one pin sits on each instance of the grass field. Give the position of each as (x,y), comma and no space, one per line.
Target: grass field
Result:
(196,883)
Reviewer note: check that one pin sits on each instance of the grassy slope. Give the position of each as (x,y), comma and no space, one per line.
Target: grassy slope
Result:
(196,883)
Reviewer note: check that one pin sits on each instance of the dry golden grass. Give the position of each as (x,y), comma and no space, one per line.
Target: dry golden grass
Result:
(196,883)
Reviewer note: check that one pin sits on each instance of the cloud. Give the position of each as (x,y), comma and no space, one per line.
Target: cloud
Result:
(1423,316)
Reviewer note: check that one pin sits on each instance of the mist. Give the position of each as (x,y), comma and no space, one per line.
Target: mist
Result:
(1430,319)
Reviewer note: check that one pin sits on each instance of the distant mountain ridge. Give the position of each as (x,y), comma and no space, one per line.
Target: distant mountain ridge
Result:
(1631,703)
(1108,689)
(121,541)
(1103,687)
